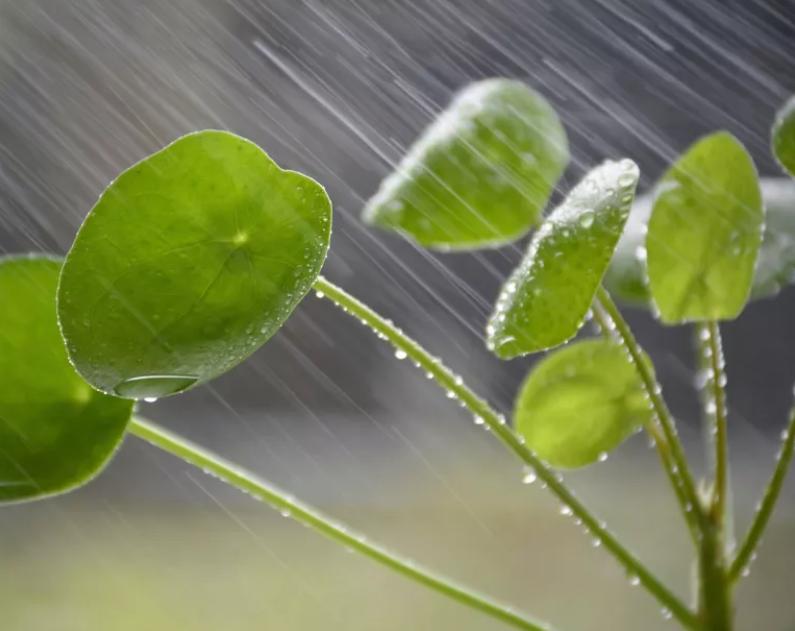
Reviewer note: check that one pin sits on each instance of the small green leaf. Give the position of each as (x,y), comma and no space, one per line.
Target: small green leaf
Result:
(189,262)
(704,233)
(480,175)
(626,277)
(784,136)
(546,299)
(56,432)
(580,403)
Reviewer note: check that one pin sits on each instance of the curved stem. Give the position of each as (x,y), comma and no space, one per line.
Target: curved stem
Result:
(249,483)
(608,330)
(454,385)
(747,550)
(658,405)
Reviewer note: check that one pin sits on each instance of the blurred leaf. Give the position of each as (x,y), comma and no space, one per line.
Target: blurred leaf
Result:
(480,175)
(581,402)
(626,277)
(776,261)
(547,297)
(704,232)
(56,433)
(784,136)
(189,262)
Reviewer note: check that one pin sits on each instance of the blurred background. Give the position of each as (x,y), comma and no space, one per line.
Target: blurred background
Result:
(338,89)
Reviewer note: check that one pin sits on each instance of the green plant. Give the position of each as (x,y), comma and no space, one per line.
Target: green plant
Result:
(193,258)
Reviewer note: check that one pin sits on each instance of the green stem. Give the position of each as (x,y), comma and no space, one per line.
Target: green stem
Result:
(658,405)
(608,330)
(715,609)
(717,432)
(282,501)
(747,550)
(455,386)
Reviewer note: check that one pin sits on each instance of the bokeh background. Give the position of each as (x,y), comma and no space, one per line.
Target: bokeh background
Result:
(337,89)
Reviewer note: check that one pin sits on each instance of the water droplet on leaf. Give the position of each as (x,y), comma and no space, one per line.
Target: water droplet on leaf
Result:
(587,218)
(153,386)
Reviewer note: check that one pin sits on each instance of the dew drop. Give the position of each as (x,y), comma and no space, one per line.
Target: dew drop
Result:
(529,476)
(400,354)
(566,511)
(702,379)
(711,407)
(286,512)
(153,386)
(602,456)
(587,218)
(634,581)
(666,613)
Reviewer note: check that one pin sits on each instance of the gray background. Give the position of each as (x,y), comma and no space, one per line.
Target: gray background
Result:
(337,89)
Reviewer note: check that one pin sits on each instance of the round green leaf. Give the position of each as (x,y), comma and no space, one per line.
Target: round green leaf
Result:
(784,136)
(189,262)
(480,175)
(704,233)
(626,277)
(56,432)
(580,403)
(546,299)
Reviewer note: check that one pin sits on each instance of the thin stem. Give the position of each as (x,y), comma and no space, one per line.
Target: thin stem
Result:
(664,417)
(608,330)
(256,487)
(747,550)
(454,385)
(715,608)
(717,432)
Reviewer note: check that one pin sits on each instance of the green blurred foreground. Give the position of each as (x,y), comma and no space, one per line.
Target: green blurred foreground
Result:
(105,559)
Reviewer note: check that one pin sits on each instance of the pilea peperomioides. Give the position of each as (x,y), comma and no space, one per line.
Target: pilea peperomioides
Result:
(194,257)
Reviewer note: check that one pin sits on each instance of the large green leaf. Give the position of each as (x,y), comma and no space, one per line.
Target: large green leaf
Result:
(784,136)
(704,233)
(189,262)
(626,277)
(56,432)
(480,175)
(581,402)
(547,297)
